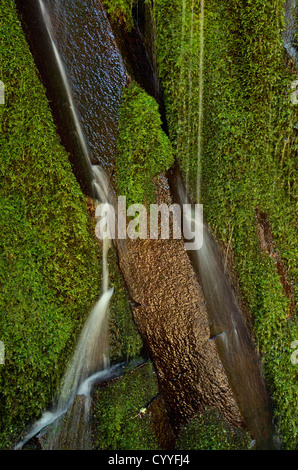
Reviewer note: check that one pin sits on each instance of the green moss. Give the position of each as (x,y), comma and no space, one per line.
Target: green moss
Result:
(120,11)
(178,60)
(49,262)
(118,420)
(209,431)
(143,149)
(248,158)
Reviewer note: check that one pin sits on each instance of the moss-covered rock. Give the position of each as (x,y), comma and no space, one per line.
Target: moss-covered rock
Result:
(248,158)
(121,419)
(143,149)
(120,11)
(178,54)
(209,431)
(125,340)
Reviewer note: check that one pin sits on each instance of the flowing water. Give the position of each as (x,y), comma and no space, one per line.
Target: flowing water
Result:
(201,92)
(227,326)
(88,78)
(85,75)
(90,363)
(229,332)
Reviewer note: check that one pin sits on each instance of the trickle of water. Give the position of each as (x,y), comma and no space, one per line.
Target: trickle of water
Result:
(229,332)
(90,360)
(64,78)
(91,354)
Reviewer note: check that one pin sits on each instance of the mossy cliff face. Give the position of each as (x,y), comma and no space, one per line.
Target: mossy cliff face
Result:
(246,154)
(167,315)
(49,260)
(50,264)
(120,11)
(248,159)
(189,372)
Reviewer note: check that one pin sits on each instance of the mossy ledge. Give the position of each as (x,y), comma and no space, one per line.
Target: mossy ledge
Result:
(143,149)
(121,418)
(209,431)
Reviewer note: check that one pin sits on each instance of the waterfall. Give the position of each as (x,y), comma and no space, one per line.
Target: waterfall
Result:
(90,355)
(90,362)
(229,331)
(227,326)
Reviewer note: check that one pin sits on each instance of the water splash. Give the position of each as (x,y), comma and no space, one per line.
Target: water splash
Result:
(90,360)
(49,418)
(90,355)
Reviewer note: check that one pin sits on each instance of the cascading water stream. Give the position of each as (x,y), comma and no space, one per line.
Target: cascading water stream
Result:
(62,72)
(90,362)
(229,332)
(226,322)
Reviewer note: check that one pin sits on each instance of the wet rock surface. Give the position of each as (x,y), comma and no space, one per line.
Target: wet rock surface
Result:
(171,317)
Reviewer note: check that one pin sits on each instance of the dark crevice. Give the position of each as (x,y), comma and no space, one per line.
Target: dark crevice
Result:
(137,58)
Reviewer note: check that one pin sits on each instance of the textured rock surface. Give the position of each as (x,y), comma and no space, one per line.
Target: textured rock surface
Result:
(172,319)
